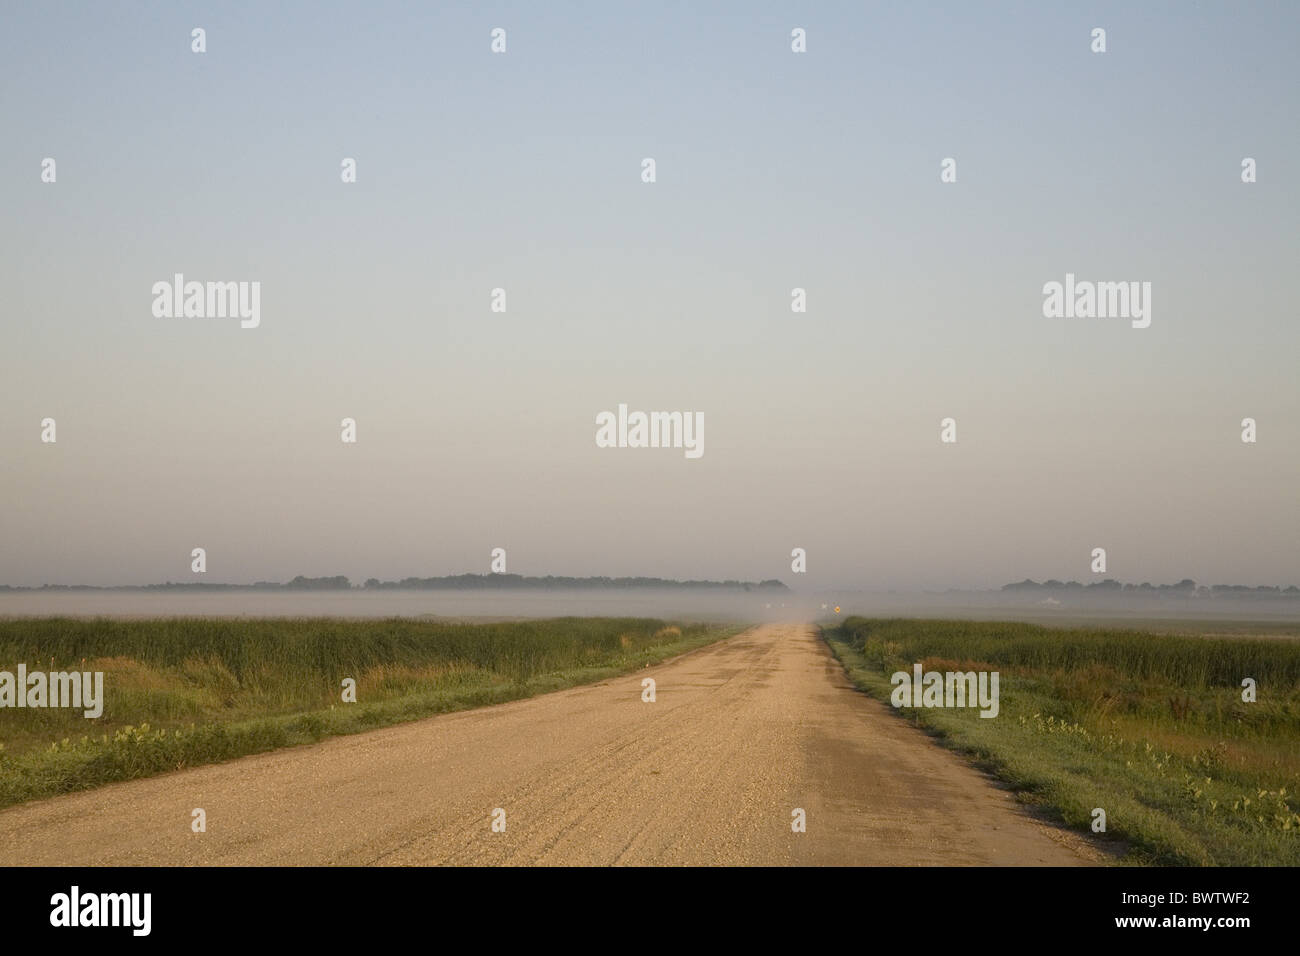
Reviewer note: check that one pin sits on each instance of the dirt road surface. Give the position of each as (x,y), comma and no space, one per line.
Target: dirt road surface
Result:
(741,734)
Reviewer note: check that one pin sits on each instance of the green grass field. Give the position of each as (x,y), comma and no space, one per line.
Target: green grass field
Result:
(186,691)
(1151,727)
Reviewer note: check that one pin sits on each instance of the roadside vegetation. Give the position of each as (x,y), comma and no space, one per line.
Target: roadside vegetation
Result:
(1150,727)
(188,691)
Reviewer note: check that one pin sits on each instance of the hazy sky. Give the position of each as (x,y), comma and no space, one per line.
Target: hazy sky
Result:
(775,170)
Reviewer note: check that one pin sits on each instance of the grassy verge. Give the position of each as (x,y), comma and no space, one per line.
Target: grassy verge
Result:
(183,692)
(1149,727)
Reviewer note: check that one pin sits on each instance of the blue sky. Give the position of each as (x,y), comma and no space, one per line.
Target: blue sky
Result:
(775,170)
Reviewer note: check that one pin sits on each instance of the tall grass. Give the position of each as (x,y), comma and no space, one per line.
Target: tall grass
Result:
(1199,662)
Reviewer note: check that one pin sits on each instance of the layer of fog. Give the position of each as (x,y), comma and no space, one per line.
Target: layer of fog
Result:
(679,605)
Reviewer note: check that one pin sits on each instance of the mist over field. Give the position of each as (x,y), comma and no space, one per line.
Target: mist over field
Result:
(668,604)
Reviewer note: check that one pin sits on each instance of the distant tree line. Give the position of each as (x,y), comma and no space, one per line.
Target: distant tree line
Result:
(466,582)
(457,582)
